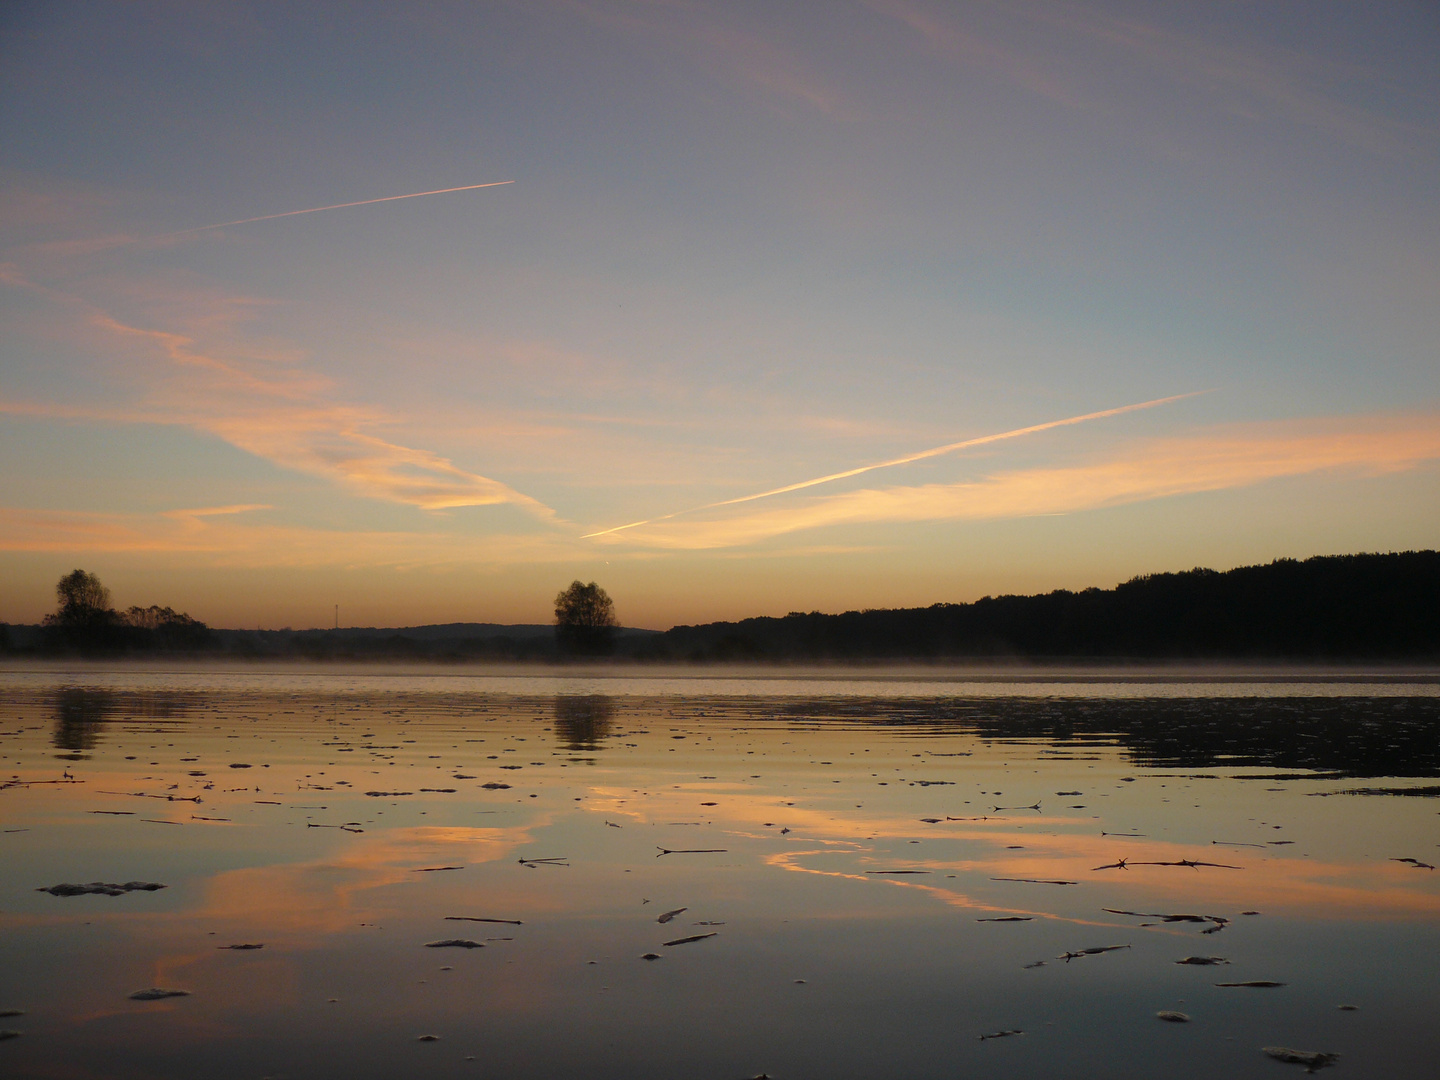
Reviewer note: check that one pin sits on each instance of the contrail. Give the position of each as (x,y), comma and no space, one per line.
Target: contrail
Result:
(337,206)
(919,456)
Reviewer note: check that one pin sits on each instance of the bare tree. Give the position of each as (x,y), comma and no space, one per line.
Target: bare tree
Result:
(585,619)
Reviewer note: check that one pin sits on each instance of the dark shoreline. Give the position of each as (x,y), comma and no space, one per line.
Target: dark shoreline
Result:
(1328,610)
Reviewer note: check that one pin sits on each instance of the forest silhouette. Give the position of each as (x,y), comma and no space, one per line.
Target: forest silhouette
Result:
(1367,607)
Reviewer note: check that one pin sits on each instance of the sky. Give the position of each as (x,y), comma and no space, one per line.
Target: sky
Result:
(728,249)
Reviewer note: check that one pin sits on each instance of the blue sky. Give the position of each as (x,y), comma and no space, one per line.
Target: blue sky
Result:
(745,245)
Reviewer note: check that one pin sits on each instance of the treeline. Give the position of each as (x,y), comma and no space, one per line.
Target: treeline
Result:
(1340,607)
(86,623)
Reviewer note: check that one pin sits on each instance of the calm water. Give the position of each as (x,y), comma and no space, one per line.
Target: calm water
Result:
(847,842)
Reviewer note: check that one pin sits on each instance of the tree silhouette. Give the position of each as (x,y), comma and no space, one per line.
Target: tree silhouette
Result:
(585,620)
(87,622)
(85,619)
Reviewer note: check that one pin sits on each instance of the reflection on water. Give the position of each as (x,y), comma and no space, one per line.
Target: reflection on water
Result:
(851,886)
(1358,736)
(581,723)
(79,716)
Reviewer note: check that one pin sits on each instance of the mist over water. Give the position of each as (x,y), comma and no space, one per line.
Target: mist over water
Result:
(864,873)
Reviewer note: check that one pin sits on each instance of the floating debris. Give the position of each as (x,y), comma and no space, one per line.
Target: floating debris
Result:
(1194,864)
(670,915)
(931,820)
(476,918)
(557,861)
(1067,957)
(439,790)
(102,888)
(1035,881)
(155,993)
(687,940)
(492,786)
(143,794)
(1342,1008)
(8,1033)
(1037,963)
(1173,1016)
(1009,918)
(1198,960)
(387,794)
(349,826)
(1219,921)
(1430,792)
(1256,984)
(6,1014)
(1311,1059)
(434,869)
(427,1038)
(1002,1034)
(1001,809)
(691,851)
(889,872)
(650,956)
(241,948)
(454,943)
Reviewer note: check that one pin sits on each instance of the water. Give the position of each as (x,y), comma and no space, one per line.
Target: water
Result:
(825,962)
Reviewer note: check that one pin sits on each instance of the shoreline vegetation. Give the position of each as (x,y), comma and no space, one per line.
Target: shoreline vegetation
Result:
(1342,608)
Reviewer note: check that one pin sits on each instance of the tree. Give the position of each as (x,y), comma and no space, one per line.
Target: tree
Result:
(85,619)
(158,627)
(585,620)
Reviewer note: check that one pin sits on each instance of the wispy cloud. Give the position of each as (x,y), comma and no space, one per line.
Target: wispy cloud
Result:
(1223,458)
(1250,81)
(907,459)
(278,411)
(709,38)
(227,536)
(337,206)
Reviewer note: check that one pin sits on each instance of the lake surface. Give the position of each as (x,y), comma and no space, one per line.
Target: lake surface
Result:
(875,871)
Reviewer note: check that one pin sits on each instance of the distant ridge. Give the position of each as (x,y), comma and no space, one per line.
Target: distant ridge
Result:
(1334,607)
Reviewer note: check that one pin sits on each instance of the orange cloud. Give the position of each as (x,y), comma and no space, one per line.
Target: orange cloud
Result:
(223,538)
(279,411)
(1222,458)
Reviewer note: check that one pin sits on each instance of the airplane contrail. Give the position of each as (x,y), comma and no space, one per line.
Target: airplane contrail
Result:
(337,206)
(919,456)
